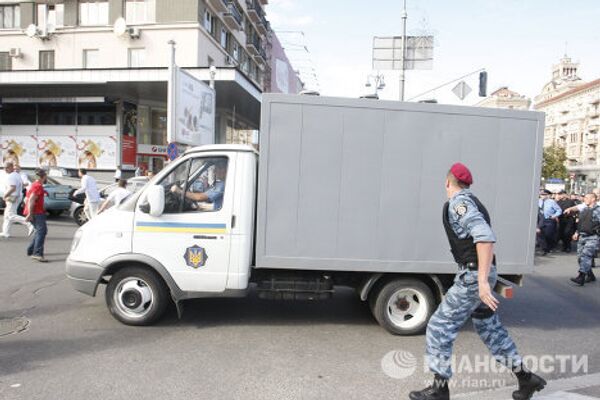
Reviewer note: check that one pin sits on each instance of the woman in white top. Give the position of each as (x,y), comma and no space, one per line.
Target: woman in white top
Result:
(116,196)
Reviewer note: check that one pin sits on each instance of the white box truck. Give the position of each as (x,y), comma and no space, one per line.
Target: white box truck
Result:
(344,192)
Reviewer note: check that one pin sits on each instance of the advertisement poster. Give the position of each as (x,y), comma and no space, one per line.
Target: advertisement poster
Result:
(57,151)
(96,152)
(194,110)
(128,151)
(21,150)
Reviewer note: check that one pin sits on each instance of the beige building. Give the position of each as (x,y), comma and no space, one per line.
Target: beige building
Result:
(505,98)
(572,110)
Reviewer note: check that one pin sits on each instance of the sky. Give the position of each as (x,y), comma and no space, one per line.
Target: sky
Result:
(516,41)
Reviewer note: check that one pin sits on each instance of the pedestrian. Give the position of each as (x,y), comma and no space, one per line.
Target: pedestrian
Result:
(92,196)
(587,235)
(13,195)
(467,225)
(36,214)
(116,196)
(549,211)
(566,222)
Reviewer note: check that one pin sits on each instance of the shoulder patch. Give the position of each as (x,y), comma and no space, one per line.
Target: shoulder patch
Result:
(461,209)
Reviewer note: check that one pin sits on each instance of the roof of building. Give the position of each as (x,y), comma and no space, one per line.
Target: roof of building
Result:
(578,89)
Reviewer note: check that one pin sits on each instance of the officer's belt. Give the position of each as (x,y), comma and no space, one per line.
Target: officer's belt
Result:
(472,266)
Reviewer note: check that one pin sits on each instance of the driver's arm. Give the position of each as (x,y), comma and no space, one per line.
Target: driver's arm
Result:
(196,196)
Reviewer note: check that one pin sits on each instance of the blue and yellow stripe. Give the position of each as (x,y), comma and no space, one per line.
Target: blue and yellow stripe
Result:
(178,227)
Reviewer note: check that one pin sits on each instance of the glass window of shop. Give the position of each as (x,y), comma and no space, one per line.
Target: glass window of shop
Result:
(159,126)
(57,114)
(18,114)
(96,114)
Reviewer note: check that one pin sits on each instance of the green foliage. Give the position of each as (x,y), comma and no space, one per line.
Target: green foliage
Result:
(553,165)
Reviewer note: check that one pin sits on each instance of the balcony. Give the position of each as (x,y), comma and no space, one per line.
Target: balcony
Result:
(218,5)
(261,57)
(253,43)
(591,139)
(255,11)
(263,26)
(233,16)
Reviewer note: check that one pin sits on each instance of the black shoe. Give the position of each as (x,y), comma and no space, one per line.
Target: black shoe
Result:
(437,391)
(590,277)
(579,280)
(529,383)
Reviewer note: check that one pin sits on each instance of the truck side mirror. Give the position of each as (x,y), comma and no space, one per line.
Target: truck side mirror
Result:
(155,201)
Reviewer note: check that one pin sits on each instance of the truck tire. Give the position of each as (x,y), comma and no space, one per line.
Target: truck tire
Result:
(403,306)
(136,296)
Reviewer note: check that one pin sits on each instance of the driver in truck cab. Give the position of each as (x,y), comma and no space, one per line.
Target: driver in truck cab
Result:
(214,193)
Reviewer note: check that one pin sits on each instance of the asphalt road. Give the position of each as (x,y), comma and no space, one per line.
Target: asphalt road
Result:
(65,345)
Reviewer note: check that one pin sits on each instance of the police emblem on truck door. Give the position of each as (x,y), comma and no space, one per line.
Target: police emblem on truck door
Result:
(195,256)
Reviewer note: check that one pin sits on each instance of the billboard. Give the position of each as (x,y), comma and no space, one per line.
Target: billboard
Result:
(387,53)
(57,151)
(194,110)
(97,152)
(21,150)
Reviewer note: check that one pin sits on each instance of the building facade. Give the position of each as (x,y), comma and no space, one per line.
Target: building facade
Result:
(572,109)
(505,98)
(84,82)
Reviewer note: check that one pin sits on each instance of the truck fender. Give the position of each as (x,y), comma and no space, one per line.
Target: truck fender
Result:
(115,262)
(438,287)
(368,285)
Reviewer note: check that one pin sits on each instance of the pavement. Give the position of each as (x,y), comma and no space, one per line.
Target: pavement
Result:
(56,343)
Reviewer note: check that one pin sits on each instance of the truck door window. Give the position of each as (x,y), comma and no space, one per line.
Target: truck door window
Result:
(198,185)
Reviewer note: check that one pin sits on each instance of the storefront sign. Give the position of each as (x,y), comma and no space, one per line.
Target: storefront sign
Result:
(194,110)
(155,150)
(21,150)
(57,151)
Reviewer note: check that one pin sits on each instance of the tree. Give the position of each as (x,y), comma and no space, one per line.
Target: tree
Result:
(553,165)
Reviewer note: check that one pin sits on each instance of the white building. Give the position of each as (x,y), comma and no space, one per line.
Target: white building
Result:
(505,98)
(75,91)
(572,110)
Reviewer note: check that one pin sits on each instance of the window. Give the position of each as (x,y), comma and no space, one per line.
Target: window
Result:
(236,51)
(224,36)
(96,114)
(18,114)
(208,21)
(93,12)
(10,17)
(46,59)
(50,14)
(197,185)
(136,58)
(5,61)
(56,114)
(140,11)
(91,58)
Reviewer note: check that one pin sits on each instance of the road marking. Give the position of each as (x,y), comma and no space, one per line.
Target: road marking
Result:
(553,388)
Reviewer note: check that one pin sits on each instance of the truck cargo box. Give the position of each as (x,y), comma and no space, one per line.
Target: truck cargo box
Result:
(358,185)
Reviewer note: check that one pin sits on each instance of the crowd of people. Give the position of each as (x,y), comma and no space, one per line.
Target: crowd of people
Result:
(567,218)
(19,190)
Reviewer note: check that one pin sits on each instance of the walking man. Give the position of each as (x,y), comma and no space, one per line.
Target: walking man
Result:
(13,194)
(550,211)
(36,213)
(467,225)
(92,196)
(566,222)
(588,229)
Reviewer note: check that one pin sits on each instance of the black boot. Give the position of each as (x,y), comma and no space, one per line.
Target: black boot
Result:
(437,391)
(529,383)
(579,280)
(590,277)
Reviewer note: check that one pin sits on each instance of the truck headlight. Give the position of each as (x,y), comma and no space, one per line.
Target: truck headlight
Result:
(76,239)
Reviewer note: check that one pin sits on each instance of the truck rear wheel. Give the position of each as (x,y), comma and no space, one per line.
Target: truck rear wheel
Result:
(403,306)
(136,296)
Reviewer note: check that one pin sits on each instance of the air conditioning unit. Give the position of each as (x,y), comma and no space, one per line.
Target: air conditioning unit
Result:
(15,52)
(135,33)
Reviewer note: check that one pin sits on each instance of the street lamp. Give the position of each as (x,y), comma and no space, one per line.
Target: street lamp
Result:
(378,80)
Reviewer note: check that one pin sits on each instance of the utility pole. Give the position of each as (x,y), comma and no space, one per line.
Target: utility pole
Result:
(403,50)
(171,111)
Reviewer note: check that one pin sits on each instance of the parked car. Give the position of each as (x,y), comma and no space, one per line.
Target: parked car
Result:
(56,201)
(76,211)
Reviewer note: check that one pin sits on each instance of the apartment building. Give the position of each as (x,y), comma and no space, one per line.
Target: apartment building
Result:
(505,98)
(572,109)
(90,76)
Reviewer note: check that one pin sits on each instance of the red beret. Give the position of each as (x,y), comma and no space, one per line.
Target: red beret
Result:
(462,173)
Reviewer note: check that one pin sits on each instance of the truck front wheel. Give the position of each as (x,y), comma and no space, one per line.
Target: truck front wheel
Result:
(136,296)
(403,306)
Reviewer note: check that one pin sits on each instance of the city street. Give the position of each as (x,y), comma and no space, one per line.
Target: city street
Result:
(56,343)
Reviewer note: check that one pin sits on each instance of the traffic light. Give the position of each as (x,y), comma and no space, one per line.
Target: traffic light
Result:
(483,84)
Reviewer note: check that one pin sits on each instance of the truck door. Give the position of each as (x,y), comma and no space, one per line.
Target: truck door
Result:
(192,237)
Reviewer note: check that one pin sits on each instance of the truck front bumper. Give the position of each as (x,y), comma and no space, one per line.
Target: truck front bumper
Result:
(83,276)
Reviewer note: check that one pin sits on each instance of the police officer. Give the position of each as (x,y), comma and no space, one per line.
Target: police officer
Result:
(467,225)
(549,212)
(587,232)
(566,222)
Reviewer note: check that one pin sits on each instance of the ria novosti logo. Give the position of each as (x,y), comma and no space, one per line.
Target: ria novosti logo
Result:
(399,364)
